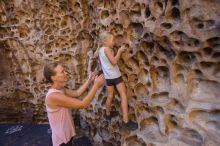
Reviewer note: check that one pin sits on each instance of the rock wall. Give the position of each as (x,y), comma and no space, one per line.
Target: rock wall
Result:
(171,67)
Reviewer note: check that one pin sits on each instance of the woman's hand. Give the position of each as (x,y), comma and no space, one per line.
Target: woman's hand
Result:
(99,80)
(92,76)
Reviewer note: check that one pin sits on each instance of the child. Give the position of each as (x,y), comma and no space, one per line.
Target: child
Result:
(113,78)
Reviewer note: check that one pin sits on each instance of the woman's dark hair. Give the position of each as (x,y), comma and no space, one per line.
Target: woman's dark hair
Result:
(49,71)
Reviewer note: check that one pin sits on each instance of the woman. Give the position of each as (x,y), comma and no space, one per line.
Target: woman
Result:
(59,101)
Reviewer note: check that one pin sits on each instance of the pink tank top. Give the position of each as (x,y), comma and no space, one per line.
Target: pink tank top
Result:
(61,122)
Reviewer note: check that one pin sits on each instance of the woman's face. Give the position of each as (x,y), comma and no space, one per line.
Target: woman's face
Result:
(61,74)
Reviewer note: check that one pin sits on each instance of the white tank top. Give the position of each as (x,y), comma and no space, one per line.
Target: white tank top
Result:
(110,71)
(61,122)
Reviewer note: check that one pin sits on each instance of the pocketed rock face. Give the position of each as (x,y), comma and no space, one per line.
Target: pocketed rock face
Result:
(171,67)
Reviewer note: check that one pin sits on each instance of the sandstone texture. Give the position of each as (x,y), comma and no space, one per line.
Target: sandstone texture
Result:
(171,67)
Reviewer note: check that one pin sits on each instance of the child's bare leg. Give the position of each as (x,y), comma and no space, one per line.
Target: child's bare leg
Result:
(124,101)
(110,92)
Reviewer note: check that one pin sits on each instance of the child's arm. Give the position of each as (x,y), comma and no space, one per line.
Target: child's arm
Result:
(114,59)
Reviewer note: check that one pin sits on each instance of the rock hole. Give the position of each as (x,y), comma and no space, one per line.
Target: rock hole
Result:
(175,13)
(163,71)
(147,47)
(153,18)
(207,50)
(135,62)
(191,137)
(136,10)
(107,4)
(198,72)
(186,57)
(174,2)
(77,5)
(146,36)
(216,55)
(206,65)
(159,5)
(210,23)
(140,90)
(167,51)
(179,43)
(152,121)
(200,26)
(135,141)
(213,41)
(160,95)
(196,42)
(166,25)
(104,14)
(141,55)
(147,12)
(137,28)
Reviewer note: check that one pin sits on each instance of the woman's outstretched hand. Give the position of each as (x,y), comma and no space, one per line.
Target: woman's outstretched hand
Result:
(92,76)
(99,80)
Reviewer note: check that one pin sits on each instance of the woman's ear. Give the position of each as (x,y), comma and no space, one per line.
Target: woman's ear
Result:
(53,78)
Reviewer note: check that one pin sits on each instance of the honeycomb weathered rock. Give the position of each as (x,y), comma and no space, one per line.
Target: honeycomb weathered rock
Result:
(171,67)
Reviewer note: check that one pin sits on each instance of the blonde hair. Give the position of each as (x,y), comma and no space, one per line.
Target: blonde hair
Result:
(103,36)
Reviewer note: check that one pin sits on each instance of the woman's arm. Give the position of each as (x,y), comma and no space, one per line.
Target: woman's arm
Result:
(62,100)
(79,92)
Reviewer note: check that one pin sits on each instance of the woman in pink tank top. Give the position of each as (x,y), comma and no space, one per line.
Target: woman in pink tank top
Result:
(59,101)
